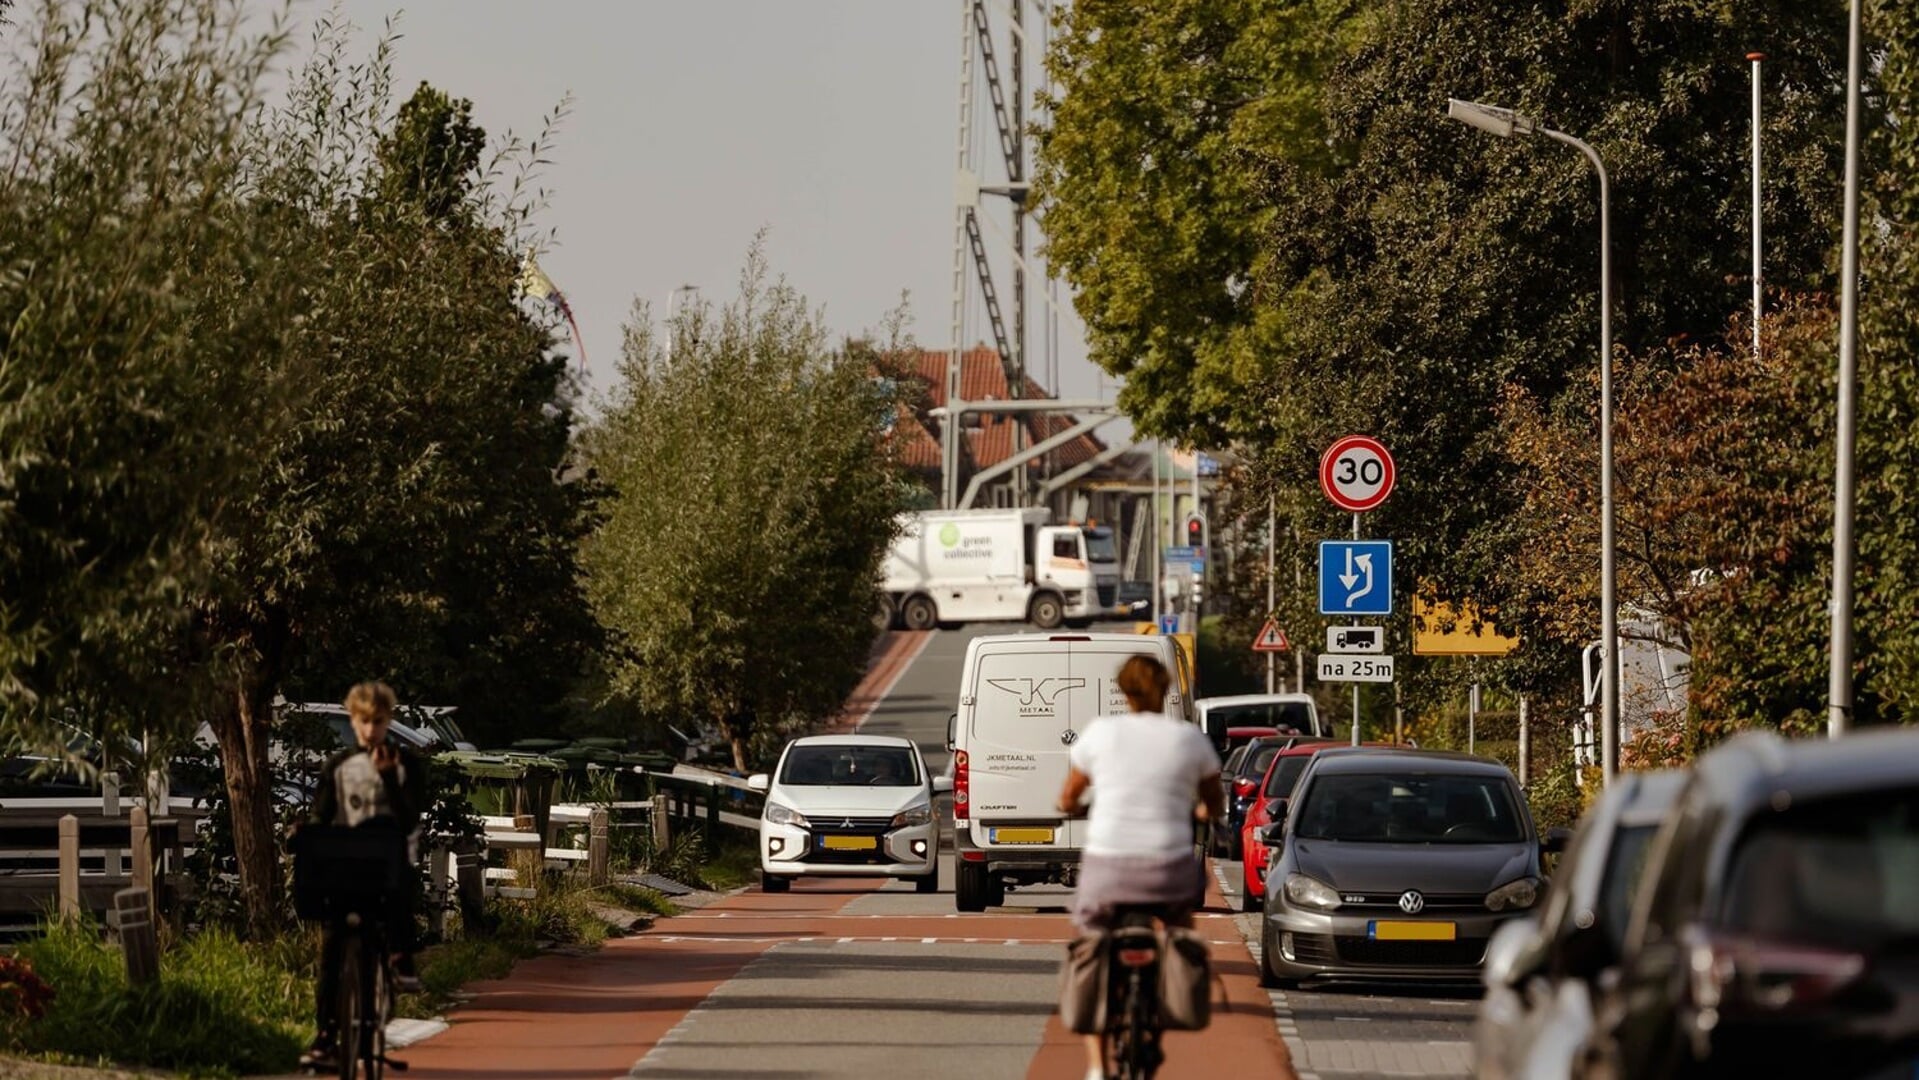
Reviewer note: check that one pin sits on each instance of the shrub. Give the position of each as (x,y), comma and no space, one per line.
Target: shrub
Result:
(220,1005)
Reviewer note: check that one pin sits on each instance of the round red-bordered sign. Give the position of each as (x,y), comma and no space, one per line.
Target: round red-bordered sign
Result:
(1356,473)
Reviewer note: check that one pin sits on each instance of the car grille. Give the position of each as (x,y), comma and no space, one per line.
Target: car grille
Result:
(1462,953)
(1434,901)
(823,857)
(1108,595)
(851,826)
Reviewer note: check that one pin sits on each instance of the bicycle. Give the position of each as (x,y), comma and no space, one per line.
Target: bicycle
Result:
(366,1000)
(348,878)
(1133,1024)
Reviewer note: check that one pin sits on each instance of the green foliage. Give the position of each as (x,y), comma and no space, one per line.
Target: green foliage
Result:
(221,1005)
(140,283)
(752,501)
(1421,281)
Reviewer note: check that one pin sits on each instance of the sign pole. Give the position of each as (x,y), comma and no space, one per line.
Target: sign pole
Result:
(1355,685)
(1272,543)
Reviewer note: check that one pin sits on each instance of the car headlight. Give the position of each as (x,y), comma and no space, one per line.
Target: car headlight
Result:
(777,814)
(1514,895)
(917,814)
(1310,893)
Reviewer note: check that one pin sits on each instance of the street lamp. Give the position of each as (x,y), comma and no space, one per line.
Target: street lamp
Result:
(1845,490)
(1507,123)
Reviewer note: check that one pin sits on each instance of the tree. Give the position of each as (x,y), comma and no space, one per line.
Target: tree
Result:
(1409,284)
(1150,176)
(752,499)
(423,370)
(140,282)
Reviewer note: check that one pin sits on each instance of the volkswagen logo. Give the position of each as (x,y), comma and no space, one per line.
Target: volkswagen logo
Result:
(1068,736)
(1411,902)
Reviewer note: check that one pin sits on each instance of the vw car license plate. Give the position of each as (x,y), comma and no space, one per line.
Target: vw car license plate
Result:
(1388,930)
(1022,836)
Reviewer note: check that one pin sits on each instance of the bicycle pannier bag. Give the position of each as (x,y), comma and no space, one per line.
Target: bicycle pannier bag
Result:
(1082,985)
(1185,981)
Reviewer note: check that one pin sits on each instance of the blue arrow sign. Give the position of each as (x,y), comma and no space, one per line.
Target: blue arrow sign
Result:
(1355,577)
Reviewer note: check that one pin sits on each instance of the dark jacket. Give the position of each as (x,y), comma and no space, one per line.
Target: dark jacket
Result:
(353,791)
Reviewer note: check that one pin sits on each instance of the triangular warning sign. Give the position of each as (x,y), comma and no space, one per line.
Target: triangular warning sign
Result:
(1271,638)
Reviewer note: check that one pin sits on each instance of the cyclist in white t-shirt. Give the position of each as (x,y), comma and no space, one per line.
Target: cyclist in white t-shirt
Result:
(1151,776)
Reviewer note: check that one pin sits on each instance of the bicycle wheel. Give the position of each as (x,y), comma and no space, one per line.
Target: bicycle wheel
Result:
(347,1012)
(378,986)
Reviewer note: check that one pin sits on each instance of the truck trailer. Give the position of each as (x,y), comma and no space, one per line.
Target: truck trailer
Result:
(960,566)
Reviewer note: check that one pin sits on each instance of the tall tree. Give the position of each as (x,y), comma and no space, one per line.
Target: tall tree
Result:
(752,499)
(1408,285)
(421,359)
(140,284)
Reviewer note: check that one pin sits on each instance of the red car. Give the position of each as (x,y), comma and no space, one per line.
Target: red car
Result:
(1281,774)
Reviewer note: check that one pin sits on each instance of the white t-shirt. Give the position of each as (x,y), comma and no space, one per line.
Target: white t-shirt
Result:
(1146,769)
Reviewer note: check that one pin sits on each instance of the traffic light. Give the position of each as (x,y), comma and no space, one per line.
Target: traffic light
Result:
(1196,531)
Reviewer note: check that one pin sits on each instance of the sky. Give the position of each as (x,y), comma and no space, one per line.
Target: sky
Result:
(695,124)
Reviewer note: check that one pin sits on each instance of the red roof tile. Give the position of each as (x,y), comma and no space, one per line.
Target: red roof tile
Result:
(983,378)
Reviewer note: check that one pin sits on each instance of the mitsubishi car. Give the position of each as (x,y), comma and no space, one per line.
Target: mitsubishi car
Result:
(1396,865)
(849,805)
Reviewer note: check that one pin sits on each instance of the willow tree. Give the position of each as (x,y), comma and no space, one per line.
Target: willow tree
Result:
(752,498)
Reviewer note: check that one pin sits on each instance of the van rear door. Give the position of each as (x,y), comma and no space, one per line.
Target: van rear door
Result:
(1026,711)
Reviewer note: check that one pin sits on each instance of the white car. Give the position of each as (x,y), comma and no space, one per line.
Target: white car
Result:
(849,806)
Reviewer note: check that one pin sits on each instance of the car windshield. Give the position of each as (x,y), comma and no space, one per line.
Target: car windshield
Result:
(864,766)
(1842,872)
(1624,864)
(1296,715)
(1279,782)
(1412,808)
(1254,766)
(1099,546)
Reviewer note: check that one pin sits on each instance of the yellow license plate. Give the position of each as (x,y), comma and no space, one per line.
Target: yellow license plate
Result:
(1022,836)
(849,843)
(1414,931)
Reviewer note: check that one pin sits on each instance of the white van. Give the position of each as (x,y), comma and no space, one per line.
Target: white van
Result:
(1023,699)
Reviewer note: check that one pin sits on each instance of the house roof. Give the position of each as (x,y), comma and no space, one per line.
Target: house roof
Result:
(989,436)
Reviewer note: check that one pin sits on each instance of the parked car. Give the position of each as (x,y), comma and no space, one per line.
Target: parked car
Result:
(1286,714)
(1777,930)
(1542,971)
(1266,807)
(858,805)
(1023,700)
(1397,864)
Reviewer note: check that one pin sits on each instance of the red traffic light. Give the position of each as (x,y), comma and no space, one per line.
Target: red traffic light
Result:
(1196,531)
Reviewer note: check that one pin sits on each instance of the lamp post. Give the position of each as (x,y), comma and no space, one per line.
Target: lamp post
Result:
(1839,686)
(1506,123)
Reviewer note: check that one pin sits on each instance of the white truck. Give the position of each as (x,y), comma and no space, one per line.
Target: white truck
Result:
(958,566)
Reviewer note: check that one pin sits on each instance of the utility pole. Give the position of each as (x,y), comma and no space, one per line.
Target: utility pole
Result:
(1839,684)
(1758,226)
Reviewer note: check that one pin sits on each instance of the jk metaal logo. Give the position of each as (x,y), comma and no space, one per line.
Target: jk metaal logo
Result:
(1036,696)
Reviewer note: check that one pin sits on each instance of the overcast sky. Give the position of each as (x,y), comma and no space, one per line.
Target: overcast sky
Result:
(829,122)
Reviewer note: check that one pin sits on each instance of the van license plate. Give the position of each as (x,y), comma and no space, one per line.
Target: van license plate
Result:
(1384,930)
(1022,836)
(849,843)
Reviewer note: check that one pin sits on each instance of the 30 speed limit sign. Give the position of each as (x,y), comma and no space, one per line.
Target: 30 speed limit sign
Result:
(1356,473)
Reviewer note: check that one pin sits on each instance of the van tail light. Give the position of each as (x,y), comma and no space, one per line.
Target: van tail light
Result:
(962,787)
(1746,974)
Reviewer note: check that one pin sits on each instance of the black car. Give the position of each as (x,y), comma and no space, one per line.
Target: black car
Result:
(1241,775)
(1396,865)
(1777,930)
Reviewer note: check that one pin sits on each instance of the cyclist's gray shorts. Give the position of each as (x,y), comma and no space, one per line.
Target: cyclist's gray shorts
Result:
(1108,882)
